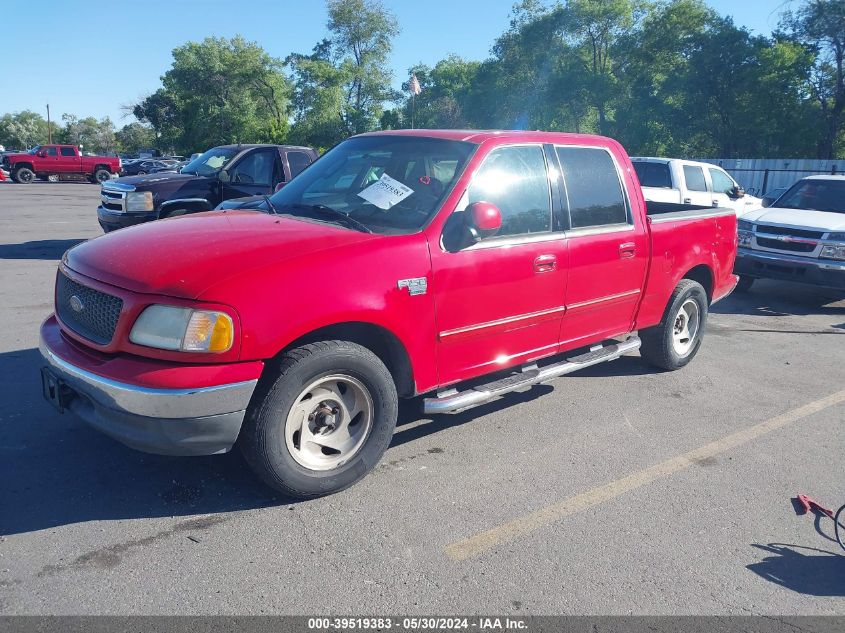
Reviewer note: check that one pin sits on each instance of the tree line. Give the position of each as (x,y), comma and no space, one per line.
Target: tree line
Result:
(671,77)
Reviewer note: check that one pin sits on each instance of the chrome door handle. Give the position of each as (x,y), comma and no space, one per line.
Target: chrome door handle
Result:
(545,263)
(627,250)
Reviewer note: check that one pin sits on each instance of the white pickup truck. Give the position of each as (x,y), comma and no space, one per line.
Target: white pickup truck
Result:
(687,182)
(800,238)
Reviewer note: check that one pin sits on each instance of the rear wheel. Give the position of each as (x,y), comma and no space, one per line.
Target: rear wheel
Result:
(101,175)
(675,341)
(23,175)
(322,419)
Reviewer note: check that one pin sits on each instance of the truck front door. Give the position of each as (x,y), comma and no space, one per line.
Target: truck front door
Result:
(608,247)
(253,174)
(499,301)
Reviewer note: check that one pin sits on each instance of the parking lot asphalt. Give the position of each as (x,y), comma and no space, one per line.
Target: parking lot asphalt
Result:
(616,490)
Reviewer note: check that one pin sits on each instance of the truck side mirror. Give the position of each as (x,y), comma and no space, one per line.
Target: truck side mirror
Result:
(223,175)
(737,192)
(482,219)
(280,186)
(41,153)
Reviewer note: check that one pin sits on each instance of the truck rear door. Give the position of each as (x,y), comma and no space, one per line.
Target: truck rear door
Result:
(69,161)
(499,301)
(694,190)
(608,246)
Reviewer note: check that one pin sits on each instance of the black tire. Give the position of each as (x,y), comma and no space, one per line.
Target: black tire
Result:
(101,176)
(745,283)
(262,439)
(141,173)
(658,344)
(23,175)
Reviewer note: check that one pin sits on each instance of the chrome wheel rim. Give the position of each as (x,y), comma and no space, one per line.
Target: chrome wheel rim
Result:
(685,327)
(329,422)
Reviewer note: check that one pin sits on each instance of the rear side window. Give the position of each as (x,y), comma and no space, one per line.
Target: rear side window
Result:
(68,151)
(297,162)
(653,174)
(515,179)
(694,177)
(593,189)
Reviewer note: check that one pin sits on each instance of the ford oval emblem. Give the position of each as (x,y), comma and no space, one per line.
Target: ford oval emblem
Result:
(76,304)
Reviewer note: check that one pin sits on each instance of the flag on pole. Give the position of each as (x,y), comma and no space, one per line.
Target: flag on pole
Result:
(414,85)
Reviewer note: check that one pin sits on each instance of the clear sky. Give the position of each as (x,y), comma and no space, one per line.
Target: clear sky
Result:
(91,61)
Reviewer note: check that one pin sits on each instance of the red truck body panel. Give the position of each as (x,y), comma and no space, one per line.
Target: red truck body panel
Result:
(485,308)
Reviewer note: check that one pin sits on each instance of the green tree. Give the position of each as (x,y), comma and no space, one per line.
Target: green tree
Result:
(820,25)
(21,130)
(341,88)
(219,91)
(135,136)
(91,135)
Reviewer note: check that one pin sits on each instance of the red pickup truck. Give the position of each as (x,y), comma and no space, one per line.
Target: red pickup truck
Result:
(456,264)
(64,161)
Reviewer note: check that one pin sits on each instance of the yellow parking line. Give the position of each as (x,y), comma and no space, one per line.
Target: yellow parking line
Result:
(483,541)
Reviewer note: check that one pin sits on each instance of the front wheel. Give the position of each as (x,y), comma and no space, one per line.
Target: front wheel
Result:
(675,341)
(23,175)
(322,419)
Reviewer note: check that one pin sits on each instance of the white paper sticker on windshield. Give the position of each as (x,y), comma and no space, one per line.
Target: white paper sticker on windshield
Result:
(385,192)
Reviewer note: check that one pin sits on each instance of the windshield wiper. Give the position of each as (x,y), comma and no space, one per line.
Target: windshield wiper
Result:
(340,215)
(270,205)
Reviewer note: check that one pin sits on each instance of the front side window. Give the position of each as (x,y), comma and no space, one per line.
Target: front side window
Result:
(256,168)
(516,180)
(694,177)
(721,182)
(51,151)
(593,190)
(815,194)
(68,151)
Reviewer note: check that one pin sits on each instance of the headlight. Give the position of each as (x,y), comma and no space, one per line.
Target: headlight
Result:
(833,251)
(183,329)
(139,201)
(744,225)
(836,237)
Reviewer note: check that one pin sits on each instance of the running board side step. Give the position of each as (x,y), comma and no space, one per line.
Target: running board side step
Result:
(453,400)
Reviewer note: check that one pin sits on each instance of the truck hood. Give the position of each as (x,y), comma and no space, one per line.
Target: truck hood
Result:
(798,218)
(161,182)
(183,256)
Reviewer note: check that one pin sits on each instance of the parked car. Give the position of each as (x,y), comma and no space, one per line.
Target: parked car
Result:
(228,171)
(456,264)
(59,161)
(773,195)
(141,167)
(688,182)
(800,238)
(170,167)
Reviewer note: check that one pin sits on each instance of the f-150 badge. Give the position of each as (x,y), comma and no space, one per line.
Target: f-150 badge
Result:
(415,286)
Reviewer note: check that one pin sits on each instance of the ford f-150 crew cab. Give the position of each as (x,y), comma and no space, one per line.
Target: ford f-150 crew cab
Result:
(688,182)
(43,161)
(800,238)
(456,264)
(221,173)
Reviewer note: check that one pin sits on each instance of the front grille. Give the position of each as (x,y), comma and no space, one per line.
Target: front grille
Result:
(784,230)
(794,247)
(88,312)
(112,199)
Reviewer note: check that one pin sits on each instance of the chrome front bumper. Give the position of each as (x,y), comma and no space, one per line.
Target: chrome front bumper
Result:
(197,421)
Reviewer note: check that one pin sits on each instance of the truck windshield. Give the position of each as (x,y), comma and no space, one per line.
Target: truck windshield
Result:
(388,184)
(816,195)
(210,162)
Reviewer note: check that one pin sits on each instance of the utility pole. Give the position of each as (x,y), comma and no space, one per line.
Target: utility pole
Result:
(49,127)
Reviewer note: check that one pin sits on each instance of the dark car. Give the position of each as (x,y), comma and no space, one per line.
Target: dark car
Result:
(141,167)
(221,173)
